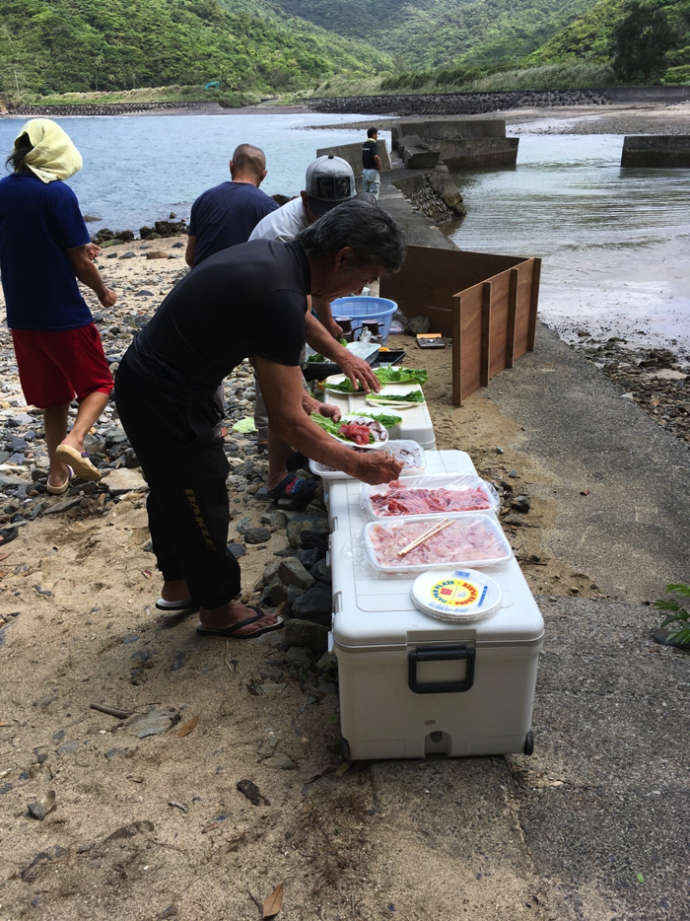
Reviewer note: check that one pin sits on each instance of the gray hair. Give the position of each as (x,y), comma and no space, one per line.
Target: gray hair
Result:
(372,234)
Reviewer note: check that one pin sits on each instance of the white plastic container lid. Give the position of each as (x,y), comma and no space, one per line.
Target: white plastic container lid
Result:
(456,597)
(409,452)
(485,496)
(467,540)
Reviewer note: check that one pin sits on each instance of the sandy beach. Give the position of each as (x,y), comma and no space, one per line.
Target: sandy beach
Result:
(154,826)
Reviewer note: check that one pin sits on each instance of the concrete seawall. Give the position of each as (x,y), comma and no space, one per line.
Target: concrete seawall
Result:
(656,151)
(476,103)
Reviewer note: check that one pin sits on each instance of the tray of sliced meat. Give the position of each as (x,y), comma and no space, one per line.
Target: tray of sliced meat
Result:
(415,544)
(429,494)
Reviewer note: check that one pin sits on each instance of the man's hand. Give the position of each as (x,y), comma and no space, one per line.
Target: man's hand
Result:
(359,372)
(108,297)
(92,250)
(310,405)
(329,411)
(378,467)
(334,329)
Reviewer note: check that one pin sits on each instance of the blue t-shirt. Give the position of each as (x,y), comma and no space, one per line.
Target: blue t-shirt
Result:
(39,221)
(225,215)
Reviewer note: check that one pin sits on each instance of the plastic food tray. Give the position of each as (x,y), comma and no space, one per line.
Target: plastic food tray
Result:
(398,448)
(402,531)
(453,482)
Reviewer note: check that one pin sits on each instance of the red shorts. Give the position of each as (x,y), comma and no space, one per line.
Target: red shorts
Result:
(56,366)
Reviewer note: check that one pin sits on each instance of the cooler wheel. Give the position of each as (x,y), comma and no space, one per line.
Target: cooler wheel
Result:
(529,743)
(344,749)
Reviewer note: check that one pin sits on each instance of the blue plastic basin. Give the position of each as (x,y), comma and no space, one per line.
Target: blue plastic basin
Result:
(363,309)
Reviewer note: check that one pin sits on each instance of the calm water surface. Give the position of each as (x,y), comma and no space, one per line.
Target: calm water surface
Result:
(139,168)
(615,243)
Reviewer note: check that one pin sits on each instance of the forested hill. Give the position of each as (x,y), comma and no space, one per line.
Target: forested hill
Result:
(81,45)
(438,33)
(473,38)
(272,46)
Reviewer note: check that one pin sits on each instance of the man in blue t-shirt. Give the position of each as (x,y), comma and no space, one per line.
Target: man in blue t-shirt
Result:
(226,214)
(44,249)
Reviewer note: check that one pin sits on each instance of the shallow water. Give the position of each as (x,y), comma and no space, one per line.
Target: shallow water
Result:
(614,242)
(138,168)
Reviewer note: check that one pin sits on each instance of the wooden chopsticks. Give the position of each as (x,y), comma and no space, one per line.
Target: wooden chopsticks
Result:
(434,529)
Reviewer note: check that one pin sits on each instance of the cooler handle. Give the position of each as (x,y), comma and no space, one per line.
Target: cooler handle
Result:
(438,654)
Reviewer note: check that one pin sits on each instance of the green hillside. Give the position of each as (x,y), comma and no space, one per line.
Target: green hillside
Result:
(441,33)
(50,47)
(86,45)
(592,37)
(453,42)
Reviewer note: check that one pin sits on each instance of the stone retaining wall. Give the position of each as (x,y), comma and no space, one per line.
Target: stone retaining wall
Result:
(115,108)
(474,103)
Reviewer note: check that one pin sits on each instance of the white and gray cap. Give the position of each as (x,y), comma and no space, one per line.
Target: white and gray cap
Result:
(329,182)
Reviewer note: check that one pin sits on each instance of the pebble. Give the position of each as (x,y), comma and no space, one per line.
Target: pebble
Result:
(153,723)
(40,808)
(292,572)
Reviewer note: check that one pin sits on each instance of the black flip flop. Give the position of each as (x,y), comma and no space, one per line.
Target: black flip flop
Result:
(231,631)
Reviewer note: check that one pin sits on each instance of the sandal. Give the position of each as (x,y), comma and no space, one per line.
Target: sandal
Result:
(63,487)
(294,487)
(231,631)
(185,606)
(83,468)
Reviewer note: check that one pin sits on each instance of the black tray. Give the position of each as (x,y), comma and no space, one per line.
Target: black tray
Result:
(319,370)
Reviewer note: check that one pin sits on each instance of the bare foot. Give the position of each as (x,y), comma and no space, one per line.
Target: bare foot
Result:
(175,590)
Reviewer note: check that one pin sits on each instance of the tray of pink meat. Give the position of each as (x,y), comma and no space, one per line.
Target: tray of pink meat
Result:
(415,544)
(430,494)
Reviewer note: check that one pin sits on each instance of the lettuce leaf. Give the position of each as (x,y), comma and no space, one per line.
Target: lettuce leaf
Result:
(414,396)
(387,375)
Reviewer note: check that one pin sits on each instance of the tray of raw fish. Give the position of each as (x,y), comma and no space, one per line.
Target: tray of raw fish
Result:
(429,494)
(415,544)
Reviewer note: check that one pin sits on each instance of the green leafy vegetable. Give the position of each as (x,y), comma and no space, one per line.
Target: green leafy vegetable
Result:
(387,421)
(327,424)
(414,396)
(387,375)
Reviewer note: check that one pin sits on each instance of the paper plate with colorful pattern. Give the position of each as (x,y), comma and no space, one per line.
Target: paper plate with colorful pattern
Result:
(456,596)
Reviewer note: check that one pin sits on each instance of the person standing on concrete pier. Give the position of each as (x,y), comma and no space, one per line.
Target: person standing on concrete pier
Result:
(371,163)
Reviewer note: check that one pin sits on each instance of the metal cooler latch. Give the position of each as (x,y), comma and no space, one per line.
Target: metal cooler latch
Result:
(440,654)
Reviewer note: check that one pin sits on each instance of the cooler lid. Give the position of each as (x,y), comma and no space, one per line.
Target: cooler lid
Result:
(458,596)
(372,609)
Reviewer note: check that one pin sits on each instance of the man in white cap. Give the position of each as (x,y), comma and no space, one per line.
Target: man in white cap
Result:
(44,248)
(329,181)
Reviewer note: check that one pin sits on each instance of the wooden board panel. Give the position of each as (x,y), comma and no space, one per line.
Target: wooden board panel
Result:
(486,303)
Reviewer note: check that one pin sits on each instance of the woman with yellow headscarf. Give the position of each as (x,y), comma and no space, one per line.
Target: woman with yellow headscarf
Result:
(44,248)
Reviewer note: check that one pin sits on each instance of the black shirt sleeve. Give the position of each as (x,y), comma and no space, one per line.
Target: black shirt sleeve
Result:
(282,332)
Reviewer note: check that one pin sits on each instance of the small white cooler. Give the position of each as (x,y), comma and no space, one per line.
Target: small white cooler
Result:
(411,685)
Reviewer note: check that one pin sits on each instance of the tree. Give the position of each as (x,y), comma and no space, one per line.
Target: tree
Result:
(640,42)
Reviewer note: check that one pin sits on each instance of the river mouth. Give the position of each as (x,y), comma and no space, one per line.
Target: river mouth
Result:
(614,242)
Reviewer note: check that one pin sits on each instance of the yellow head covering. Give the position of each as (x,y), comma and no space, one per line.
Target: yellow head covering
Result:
(53,155)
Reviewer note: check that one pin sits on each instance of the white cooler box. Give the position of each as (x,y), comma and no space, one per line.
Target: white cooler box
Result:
(416,422)
(411,685)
